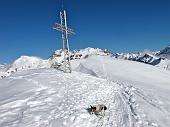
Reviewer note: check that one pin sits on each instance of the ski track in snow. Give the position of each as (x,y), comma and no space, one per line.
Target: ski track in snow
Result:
(131,114)
(62,100)
(131,93)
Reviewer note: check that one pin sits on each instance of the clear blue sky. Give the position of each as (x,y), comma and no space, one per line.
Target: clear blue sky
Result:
(118,25)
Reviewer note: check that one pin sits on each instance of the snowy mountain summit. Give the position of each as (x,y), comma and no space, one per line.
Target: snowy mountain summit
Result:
(136,92)
(159,59)
(26,62)
(58,55)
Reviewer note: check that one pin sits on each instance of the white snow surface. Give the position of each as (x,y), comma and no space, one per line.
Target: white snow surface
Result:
(164,64)
(3,70)
(93,51)
(30,62)
(151,85)
(49,98)
(23,63)
(136,94)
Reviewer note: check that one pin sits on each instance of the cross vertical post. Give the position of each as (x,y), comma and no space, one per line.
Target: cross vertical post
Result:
(62,27)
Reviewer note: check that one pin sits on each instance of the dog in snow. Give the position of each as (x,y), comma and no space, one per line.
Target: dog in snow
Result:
(98,109)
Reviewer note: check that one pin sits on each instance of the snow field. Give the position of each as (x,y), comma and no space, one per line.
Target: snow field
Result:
(51,98)
(150,84)
(136,94)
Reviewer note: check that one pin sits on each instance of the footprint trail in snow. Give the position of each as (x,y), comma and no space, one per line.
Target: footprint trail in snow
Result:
(49,98)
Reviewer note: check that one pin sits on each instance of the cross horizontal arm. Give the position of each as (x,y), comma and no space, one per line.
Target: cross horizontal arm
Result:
(61,28)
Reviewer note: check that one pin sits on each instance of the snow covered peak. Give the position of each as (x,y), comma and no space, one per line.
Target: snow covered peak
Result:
(57,57)
(24,63)
(92,51)
(29,62)
(165,53)
(149,59)
(59,51)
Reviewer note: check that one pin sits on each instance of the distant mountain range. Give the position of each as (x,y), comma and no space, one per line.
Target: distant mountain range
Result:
(159,58)
(148,57)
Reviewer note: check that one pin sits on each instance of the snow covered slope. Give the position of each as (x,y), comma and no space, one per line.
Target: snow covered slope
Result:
(24,63)
(151,84)
(136,94)
(27,62)
(164,64)
(49,98)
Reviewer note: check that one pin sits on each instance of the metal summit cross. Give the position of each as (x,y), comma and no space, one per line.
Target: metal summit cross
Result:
(62,27)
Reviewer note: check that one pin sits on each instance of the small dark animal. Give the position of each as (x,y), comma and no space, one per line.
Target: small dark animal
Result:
(97,109)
